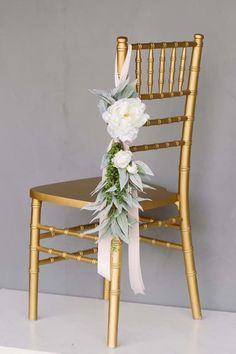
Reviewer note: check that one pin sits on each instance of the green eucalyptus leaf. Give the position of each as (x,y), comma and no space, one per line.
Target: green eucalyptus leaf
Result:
(129,90)
(136,180)
(124,177)
(147,186)
(123,223)
(116,230)
(144,167)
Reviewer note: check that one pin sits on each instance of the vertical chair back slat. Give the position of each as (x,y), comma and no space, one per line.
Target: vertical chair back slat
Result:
(182,69)
(150,70)
(138,70)
(172,69)
(161,70)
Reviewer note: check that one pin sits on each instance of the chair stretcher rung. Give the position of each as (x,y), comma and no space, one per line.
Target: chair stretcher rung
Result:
(165,145)
(167,244)
(66,255)
(161,223)
(144,218)
(160,121)
(185,44)
(55,231)
(153,96)
(55,259)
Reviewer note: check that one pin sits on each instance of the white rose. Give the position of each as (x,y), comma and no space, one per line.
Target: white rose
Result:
(133,168)
(122,159)
(122,131)
(124,117)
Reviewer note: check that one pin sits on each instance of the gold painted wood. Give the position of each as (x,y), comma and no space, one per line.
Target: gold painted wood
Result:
(161,243)
(66,232)
(172,69)
(70,193)
(114,301)
(52,233)
(184,170)
(106,289)
(161,78)
(160,223)
(150,69)
(182,69)
(116,244)
(34,260)
(56,259)
(78,193)
(161,121)
(157,146)
(66,255)
(138,70)
(164,45)
(160,95)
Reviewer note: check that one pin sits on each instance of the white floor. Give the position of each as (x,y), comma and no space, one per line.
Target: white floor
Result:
(78,325)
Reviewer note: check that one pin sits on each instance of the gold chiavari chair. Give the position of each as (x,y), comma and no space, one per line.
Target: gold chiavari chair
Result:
(77,193)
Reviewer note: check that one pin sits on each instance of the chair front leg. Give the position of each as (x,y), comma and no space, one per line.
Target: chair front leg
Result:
(106,289)
(114,300)
(34,259)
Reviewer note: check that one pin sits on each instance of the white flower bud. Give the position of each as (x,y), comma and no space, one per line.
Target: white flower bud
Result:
(122,159)
(133,168)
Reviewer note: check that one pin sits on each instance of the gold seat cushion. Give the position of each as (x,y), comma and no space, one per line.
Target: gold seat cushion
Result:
(77,194)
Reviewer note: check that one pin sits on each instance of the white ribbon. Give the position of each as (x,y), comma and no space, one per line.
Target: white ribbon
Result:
(104,244)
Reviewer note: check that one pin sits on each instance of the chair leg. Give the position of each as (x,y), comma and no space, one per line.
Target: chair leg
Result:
(106,289)
(113,312)
(190,270)
(34,259)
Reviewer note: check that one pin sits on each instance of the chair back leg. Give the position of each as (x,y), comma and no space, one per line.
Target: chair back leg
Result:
(114,300)
(34,259)
(189,262)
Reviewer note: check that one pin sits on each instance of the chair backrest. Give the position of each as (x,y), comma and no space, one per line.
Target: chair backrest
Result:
(190,92)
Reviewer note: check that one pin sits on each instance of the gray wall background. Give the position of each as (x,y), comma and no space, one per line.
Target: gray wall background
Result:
(51,52)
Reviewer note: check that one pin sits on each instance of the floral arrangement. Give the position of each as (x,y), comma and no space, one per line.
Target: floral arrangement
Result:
(122,179)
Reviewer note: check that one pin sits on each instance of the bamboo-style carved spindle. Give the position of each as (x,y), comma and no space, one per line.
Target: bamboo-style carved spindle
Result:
(67,255)
(150,69)
(172,69)
(165,45)
(116,249)
(106,289)
(155,241)
(34,259)
(165,145)
(182,69)
(161,70)
(184,170)
(138,69)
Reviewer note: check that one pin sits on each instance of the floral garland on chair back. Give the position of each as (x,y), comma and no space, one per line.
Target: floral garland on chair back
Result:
(117,202)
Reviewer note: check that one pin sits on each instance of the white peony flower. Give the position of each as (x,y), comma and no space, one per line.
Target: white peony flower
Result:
(124,117)
(133,168)
(122,159)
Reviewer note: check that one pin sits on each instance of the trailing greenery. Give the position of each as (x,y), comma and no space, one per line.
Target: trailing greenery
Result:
(116,194)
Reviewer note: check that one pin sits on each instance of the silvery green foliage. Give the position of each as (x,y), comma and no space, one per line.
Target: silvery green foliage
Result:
(114,213)
(107,98)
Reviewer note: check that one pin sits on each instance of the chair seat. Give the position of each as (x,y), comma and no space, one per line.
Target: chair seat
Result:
(77,194)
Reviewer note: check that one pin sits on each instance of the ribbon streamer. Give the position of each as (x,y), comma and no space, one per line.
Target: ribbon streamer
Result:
(104,244)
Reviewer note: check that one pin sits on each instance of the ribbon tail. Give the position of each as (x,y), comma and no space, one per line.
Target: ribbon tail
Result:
(125,67)
(135,274)
(103,266)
